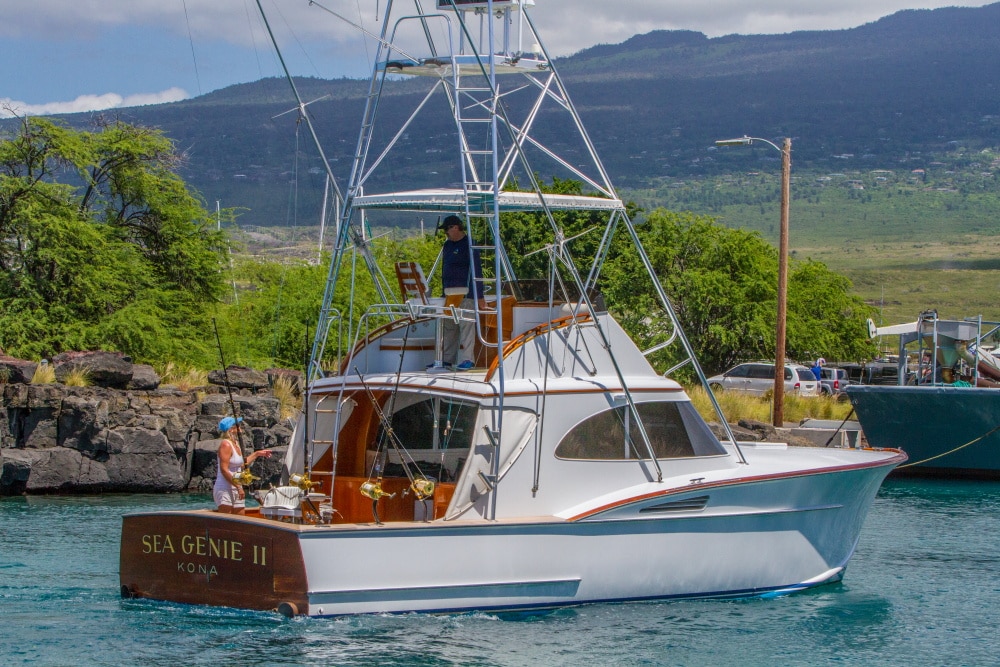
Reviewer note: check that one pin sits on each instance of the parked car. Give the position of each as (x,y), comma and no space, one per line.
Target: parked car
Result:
(758,378)
(873,372)
(834,381)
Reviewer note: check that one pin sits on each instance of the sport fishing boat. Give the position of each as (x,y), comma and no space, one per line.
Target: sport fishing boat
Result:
(943,411)
(562,468)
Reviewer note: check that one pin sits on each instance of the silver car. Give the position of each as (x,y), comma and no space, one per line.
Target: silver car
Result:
(758,378)
(834,382)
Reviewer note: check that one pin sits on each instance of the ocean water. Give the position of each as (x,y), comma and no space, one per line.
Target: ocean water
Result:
(922,589)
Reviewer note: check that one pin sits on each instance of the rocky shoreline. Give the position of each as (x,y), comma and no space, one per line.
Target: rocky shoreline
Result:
(126,432)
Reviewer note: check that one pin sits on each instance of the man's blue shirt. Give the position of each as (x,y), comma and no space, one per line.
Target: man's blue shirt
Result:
(455,266)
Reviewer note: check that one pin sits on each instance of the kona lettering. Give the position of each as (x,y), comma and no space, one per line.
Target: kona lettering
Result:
(196,568)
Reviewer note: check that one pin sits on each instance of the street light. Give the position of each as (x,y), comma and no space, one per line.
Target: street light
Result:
(778,418)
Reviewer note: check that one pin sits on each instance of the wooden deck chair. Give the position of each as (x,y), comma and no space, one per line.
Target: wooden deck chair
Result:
(412,284)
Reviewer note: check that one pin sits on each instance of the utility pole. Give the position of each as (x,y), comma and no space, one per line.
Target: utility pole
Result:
(778,400)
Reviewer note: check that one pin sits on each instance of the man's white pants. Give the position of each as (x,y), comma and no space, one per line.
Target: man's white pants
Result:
(459,340)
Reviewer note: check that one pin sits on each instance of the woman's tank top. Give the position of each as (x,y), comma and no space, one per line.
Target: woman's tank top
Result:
(235,463)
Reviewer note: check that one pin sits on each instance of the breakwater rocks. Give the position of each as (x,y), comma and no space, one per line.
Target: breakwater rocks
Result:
(126,432)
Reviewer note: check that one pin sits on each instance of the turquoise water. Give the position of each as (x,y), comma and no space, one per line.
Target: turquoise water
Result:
(922,589)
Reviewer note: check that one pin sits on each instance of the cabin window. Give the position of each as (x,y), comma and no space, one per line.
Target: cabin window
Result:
(431,423)
(674,430)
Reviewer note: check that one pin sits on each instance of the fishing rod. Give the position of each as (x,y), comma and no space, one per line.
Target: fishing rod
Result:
(421,487)
(225,379)
(307,466)
(419,484)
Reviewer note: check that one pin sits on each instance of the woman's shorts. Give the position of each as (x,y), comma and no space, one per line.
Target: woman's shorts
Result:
(228,497)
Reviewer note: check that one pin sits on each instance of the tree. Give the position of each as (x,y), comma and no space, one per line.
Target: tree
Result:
(723,286)
(275,316)
(824,319)
(102,245)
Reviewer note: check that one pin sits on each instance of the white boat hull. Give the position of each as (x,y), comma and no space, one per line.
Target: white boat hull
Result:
(739,538)
(736,551)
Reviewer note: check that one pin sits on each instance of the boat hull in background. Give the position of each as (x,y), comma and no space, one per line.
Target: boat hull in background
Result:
(951,432)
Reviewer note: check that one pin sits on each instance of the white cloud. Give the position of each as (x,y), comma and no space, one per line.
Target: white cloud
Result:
(10,108)
(567,25)
(202,20)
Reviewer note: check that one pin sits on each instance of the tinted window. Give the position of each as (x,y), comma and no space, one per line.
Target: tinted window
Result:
(805,374)
(789,376)
(762,372)
(674,430)
(739,372)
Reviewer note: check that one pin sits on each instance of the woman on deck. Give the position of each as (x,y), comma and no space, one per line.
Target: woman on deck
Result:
(229,495)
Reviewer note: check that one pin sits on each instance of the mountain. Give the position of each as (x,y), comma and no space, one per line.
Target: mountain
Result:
(919,82)
(912,82)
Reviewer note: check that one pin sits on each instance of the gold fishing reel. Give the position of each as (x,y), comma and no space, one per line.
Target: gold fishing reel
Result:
(302,481)
(374,490)
(244,477)
(422,488)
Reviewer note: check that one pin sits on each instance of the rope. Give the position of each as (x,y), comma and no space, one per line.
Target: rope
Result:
(194,58)
(952,451)
(839,427)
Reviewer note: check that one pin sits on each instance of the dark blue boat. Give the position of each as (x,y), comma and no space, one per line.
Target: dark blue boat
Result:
(946,431)
(946,413)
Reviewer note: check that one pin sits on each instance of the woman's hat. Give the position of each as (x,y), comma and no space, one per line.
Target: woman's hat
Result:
(229,422)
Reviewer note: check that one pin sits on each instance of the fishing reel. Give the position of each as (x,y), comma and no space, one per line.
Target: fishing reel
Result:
(422,488)
(302,481)
(244,477)
(374,490)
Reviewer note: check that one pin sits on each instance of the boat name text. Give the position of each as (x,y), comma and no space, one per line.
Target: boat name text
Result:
(202,545)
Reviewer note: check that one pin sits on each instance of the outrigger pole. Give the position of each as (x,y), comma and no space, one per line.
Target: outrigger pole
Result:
(345,229)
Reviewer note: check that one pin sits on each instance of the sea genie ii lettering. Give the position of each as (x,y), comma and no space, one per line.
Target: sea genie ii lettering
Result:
(201,545)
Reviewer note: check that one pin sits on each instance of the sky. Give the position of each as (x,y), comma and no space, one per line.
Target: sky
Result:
(67,56)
